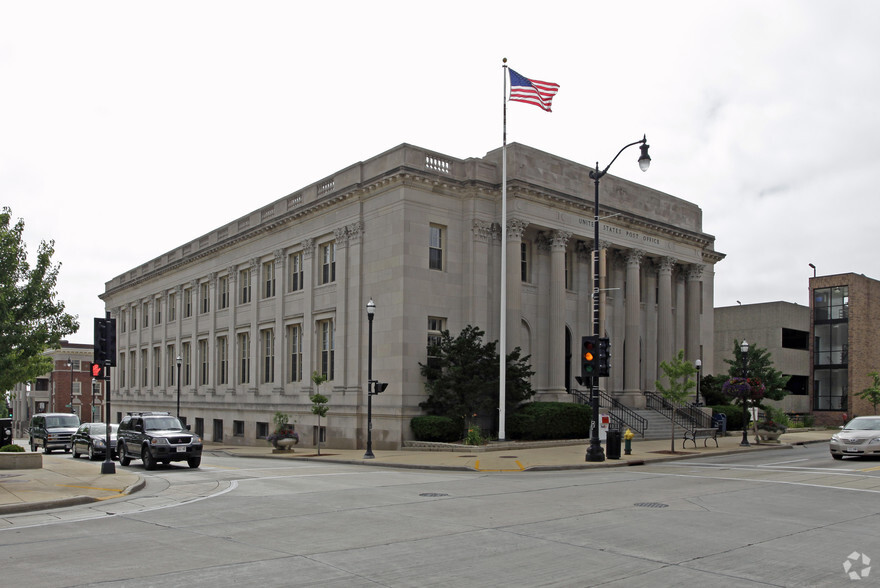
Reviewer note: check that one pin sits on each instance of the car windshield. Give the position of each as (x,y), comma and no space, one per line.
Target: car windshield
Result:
(863,425)
(101,429)
(62,420)
(161,424)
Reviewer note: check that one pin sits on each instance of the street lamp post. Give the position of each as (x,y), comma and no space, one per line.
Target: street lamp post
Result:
(744,349)
(371,309)
(699,365)
(595,452)
(179,359)
(70,374)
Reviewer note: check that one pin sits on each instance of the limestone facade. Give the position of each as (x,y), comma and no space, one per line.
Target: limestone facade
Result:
(256,306)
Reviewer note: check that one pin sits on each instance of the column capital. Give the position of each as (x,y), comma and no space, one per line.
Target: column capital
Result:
(482,230)
(695,272)
(559,239)
(634,257)
(308,246)
(665,265)
(515,229)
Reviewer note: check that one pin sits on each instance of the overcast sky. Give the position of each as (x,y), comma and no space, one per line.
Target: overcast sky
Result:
(131,128)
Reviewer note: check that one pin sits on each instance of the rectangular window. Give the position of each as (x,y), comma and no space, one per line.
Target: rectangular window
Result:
(325,328)
(132,372)
(295,267)
(77,388)
(436,326)
(294,346)
(269,279)
(262,430)
(223,292)
(222,360)
(157,311)
(267,352)
(171,362)
(567,271)
(187,302)
(244,284)
(435,248)
(186,366)
(172,306)
(157,366)
(122,323)
(146,311)
(524,252)
(203,362)
(204,298)
(244,357)
(134,319)
(328,262)
(795,339)
(122,370)
(238,428)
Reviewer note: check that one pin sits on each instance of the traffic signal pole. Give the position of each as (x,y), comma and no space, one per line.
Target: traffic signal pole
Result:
(105,354)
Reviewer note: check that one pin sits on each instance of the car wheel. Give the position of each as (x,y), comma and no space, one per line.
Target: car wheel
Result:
(835,456)
(74,452)
(92,455)
(124,460)
(46,449)
(194,462)
(147,458)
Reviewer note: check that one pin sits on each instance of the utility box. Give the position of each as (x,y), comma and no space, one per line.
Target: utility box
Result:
(612,444)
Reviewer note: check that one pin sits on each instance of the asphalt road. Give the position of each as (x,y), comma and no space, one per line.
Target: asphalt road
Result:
(790,517)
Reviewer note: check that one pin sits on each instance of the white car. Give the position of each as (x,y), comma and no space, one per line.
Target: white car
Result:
(859,437)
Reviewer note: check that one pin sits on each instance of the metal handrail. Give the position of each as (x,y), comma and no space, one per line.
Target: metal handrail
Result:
(621,416)
(688,415)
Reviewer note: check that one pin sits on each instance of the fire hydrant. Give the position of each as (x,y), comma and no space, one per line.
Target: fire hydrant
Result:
(627,442)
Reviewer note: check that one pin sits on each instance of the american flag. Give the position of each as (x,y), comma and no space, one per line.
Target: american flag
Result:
(522,89)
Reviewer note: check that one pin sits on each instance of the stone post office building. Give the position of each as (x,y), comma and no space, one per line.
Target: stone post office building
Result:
(256,306)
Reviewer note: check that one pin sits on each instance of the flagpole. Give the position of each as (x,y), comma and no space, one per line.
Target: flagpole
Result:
(502,339)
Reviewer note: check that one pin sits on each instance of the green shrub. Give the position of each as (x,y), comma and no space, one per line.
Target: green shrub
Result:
(474,436)
(734,415)
(436,428)
(550,420)
(12,449)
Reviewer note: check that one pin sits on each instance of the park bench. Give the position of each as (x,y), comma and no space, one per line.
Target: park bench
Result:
(704,434)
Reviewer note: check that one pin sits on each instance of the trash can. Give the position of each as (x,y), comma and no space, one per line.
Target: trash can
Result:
(5,432)
(719,421)
(612,444)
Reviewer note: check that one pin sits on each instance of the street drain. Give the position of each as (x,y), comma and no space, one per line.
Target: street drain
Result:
(651,504)
(433,494)
(508,456)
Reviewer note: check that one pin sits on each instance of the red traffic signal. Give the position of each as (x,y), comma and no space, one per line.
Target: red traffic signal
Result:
(97,370)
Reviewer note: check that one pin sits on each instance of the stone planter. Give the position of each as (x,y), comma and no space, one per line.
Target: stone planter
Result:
(284,444)
(20,461)
(769,436)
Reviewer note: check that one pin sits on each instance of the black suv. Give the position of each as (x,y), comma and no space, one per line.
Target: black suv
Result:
(155,437)
(52,430)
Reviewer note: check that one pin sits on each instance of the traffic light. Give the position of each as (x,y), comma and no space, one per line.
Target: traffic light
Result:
(97,371)
(589,357)
(100,337)
(105,341)
(604,357)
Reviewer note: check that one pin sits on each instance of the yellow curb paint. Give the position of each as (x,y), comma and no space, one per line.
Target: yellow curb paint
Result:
(874,469)
(91,488)
(477,467)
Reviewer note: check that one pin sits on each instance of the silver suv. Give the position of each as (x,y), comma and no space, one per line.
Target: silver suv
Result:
(52,430)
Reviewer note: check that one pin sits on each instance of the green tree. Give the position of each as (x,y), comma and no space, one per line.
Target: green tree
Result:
(679,373)
(462,377)
(319,403)
(872,392)
(31,319)
(760,367)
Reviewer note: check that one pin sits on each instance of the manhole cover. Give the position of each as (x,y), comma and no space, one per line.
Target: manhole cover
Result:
(432,494)
(651,504)
(508,456)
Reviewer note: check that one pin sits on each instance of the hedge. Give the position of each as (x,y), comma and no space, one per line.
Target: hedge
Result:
(734,415)
(549,420)
(436,428)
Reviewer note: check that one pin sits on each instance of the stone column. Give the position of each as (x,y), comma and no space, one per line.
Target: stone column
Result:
(308,330)
(631,383)
(231,336)
(556,363)
(280,289)
(693,304)
(479,307)
(665,330)
(515,230)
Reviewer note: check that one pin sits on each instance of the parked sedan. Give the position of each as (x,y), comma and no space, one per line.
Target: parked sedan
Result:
(859,437)
(91,439)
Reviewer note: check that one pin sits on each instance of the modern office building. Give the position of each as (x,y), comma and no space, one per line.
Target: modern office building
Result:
(844,321)
(235,322)
(783,329)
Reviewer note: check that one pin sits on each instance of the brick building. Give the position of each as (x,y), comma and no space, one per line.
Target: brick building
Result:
(844,323)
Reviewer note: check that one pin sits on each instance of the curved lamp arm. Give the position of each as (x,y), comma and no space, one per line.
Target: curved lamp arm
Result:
(644,158)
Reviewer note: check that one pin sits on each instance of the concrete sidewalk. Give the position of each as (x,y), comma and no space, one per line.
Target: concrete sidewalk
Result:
(64,481)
